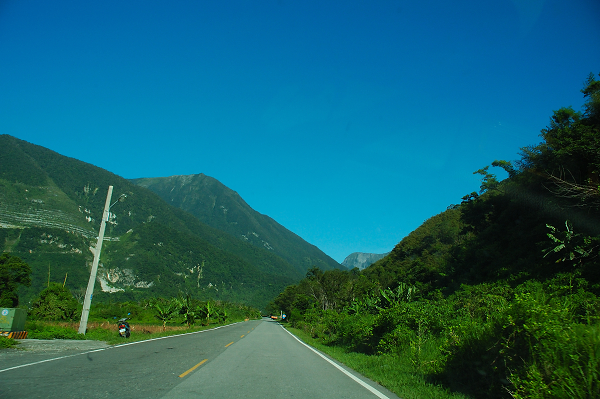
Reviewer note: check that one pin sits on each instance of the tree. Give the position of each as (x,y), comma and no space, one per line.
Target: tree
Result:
(488,182)
(507,166)
(54,303)
(284,302)
(13,272)
(569,156)
(591,92)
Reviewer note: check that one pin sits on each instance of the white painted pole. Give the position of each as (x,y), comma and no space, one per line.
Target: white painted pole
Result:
(87,301)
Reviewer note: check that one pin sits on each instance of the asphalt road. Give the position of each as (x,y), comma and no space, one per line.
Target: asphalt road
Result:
(254,359)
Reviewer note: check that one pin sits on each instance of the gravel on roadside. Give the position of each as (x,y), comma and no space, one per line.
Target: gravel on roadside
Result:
(58,345)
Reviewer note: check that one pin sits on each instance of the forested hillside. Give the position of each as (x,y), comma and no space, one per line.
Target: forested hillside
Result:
(222,208)
(497,297)
(50,211)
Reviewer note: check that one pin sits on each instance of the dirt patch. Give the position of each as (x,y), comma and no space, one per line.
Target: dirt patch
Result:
(59,345)
(147,329)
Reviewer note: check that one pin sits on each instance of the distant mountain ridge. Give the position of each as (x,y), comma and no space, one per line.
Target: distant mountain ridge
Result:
(362,260)
(222,208)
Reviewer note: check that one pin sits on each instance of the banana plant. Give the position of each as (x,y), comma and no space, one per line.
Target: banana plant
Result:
(186,309)
(403,293)
(165,311)
(206,311)
(368,304)
(569,245)
(223,315)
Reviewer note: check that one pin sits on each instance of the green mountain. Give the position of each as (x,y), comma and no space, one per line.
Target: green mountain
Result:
(50,212)
(222,208)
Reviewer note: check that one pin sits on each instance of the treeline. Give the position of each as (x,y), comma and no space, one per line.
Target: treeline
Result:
(498,296)
(55,314)
(56,303)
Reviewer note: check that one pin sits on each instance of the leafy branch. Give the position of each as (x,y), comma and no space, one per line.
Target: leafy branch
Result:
(569,245)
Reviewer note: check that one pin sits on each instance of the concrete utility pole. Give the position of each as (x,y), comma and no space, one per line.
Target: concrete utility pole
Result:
(87,301)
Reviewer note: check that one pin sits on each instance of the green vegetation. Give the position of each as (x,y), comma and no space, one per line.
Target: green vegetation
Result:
(6,342)
(143,317)
(52,207)
(396,372)
(497,297)
(108,333)
(54,303)
(13,273)
(165,311)
(46,330)
(55,312)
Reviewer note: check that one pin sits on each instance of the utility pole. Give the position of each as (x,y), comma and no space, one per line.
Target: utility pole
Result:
(87,301)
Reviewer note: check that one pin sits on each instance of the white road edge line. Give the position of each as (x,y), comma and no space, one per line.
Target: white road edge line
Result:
(112,347)
(361,382)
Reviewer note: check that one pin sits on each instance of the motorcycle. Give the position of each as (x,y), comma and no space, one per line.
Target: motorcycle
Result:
(124,329)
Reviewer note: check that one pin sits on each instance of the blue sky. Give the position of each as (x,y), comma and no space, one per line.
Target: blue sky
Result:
(348,122)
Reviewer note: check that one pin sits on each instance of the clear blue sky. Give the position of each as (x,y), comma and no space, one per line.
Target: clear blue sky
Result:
(348,122)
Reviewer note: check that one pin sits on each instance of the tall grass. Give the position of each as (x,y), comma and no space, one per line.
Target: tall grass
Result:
(401,373)
(536,340)
(107,332)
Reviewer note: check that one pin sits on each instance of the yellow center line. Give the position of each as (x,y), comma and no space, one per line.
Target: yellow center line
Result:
(193,368)
(242,336)
(229,344)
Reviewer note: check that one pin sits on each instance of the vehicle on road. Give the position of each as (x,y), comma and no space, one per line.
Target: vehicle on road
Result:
(124,329)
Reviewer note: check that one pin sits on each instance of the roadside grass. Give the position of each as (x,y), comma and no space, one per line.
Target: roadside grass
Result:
(107,331)
(6,342)
(395,372)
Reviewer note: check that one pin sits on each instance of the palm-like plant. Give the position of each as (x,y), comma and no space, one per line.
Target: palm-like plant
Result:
(206,311)
(165,311)
(186,309)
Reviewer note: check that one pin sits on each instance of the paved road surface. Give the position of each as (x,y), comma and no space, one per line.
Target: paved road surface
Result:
(255,359)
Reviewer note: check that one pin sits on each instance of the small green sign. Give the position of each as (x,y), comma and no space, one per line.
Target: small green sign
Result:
(12,319)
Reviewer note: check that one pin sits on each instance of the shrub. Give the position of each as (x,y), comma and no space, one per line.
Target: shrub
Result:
(561,357)
(54,303)
(356,332)
(37,330)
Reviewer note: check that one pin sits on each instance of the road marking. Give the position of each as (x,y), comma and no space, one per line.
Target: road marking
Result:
(114,347)
(193,368)
(49,360)
(229,344)
(242,336)
(337,366)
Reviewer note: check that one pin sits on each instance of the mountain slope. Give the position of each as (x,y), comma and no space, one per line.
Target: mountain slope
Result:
(50,211)
(222,208)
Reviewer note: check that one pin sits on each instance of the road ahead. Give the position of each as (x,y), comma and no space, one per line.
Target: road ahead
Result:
(254,359)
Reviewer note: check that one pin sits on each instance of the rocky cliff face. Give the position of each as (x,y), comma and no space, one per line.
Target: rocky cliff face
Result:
(361,260)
